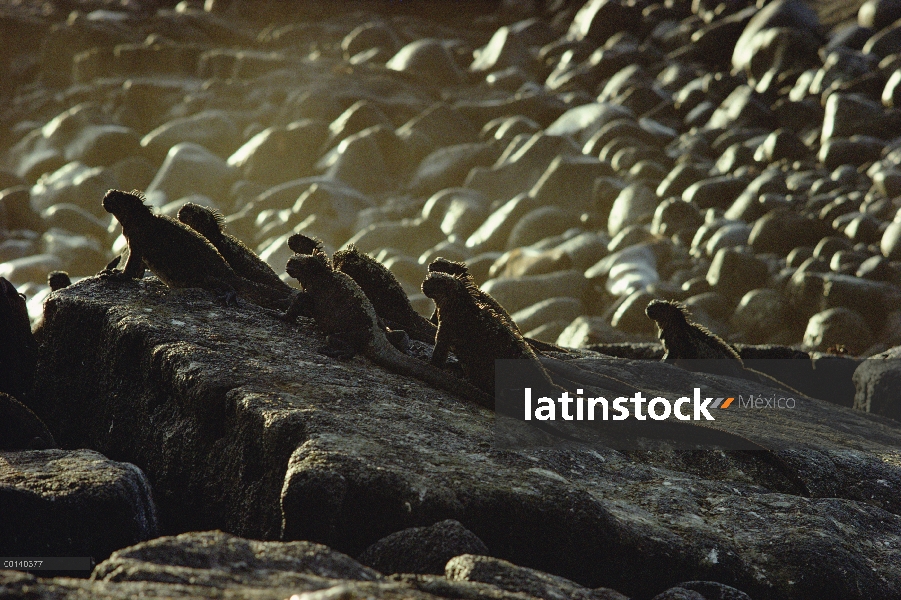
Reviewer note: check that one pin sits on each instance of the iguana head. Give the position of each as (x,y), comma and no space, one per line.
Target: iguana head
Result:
(126,206)
(440,286)
(451,267)
(666,312)
(205,221)
(349,258)
(302,244)
(309,269)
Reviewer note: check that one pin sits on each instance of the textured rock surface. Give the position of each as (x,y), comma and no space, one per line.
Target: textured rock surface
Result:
(213,564)
(292,444)
(72,503)
(216,559)
(422,549)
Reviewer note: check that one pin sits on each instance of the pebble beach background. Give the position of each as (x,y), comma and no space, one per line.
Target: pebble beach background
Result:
(582,158)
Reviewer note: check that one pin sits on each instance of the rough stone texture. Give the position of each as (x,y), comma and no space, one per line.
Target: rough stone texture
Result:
(214,558)
(212,564)
(514,578)
(877,380)
(422,549)
(75,503)
(20,429)
(288,442)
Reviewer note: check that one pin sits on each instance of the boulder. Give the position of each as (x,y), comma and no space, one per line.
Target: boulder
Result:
(525,161)
(21,429)
(835,328)
(560,308)
(582,122)
(782,230)
(189,169)
(72,503)
(448,166)
(513,578)
(213,559)
(422,550)
(734,273)
(374,34)
(587,331)
(505,49)
(540,224)
(280,154)
(793,14)
(877,14)
(597,20)
(215,130)
(427,58)
(73,183)
(635,204)
(876,381)
(516,293)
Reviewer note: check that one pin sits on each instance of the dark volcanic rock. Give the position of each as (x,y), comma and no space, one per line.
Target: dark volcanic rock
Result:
(782,230)
(240,424)
(214,559)
(514,578)
(877,380)
(21,429)
(597,20)
(877,14)
(18,349)
(213,564)
(280,154)
(75,503)
(735,273)
(838,327)
(422,549)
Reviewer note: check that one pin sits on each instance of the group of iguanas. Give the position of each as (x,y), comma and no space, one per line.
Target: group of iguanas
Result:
(354,299)
(362,309)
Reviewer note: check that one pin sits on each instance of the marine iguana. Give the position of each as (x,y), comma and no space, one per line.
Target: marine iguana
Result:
(693,347)
(560,370)
(459,269)
(211,224)
(478,335)
(178,255)
(303,244)
(387,296)
(347,317)
(684,340)
(300,304)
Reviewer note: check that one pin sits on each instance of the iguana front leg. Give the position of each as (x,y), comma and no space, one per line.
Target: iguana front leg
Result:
(134,267)
(442,348)
(301,306)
